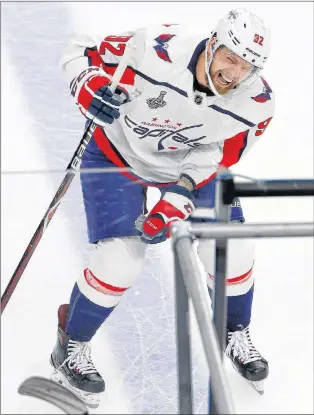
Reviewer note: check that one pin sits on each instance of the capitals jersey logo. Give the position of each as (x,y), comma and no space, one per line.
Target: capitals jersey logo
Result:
(162,46)
(265,95)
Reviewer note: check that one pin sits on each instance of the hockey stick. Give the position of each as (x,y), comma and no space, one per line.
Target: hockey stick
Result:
(71,170)
(53,392)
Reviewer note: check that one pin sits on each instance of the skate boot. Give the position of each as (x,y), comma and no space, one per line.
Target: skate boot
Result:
(73,365)
(246,359)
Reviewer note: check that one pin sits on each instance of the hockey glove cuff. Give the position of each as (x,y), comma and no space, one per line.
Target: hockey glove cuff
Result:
(94,98)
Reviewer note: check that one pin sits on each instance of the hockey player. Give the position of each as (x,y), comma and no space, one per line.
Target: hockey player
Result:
(187,103)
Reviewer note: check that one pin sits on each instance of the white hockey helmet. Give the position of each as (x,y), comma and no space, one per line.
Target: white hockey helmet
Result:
(245,35)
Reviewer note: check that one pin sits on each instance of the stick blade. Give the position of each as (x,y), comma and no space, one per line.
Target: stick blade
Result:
(54,393)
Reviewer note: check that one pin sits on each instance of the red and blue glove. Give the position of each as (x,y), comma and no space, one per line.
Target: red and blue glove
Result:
(94,98)
(176,203)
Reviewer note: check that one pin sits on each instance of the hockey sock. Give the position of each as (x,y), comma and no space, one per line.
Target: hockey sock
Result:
(238,310)
(84,317)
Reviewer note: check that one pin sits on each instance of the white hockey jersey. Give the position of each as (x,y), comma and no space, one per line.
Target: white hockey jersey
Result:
(168,129)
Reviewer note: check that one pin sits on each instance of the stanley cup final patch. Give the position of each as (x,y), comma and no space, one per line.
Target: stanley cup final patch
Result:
(157,102)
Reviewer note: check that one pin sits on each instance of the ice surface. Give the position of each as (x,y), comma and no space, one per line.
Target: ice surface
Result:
(135,350)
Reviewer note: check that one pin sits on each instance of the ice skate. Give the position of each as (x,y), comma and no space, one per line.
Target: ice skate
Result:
(246,360)
(74,367)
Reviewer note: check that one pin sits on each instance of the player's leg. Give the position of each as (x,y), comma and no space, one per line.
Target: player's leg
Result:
(240,289)
(112,204)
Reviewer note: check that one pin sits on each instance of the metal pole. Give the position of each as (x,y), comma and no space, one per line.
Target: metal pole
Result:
(183,341)
(268,188)
(220,303)
(252,230)
(196,289)
(187,266)
(219,297)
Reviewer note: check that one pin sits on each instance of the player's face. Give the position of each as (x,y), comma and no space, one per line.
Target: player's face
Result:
(228,69)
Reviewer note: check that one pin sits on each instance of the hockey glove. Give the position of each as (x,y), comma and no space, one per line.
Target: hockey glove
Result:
(176,203)
(94,98)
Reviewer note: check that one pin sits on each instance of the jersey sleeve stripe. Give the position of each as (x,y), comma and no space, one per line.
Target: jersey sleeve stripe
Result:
(233,149)
(94,59)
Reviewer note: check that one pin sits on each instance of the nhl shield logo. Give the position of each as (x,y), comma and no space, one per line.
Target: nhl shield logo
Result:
(157,102)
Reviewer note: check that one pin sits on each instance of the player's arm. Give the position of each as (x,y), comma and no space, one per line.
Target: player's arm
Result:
(90,60)
(196,170)
(89,63)
(199,167)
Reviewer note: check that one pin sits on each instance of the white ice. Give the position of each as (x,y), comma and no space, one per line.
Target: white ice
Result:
(135,349)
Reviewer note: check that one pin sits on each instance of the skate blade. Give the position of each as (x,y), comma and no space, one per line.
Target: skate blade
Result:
(91,399)
(258,386)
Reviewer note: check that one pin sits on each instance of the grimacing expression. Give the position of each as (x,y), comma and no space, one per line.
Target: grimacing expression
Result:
(228,69)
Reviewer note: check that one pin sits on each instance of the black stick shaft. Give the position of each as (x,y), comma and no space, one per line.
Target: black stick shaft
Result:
(65,184)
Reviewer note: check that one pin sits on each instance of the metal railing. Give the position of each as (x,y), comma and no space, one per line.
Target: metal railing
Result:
(190,284)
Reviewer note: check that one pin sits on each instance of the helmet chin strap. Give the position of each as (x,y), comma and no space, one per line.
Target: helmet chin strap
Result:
(208,63)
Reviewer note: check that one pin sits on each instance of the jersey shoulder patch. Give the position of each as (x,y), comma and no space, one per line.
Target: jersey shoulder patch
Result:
(265,94)
(162,46)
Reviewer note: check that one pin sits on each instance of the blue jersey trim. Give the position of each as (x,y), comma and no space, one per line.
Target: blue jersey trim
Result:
(198,50)
(233,115)
(244,144)
(153,81)
(166,84)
